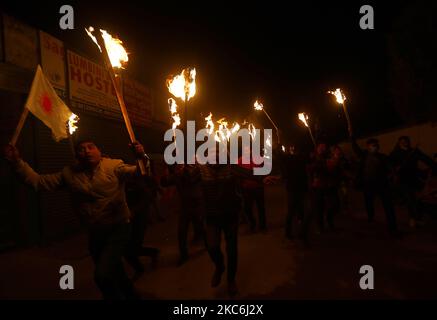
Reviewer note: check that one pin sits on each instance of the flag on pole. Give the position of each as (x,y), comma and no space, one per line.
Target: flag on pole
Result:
(46,105)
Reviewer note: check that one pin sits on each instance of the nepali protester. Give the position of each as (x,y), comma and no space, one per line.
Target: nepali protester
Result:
(138,199)
(187,181)
(97,185)
(293,171)
(339,178)
(408,177)
(253,193)
(373,179)
(222,201)
(155,192)
(322,193)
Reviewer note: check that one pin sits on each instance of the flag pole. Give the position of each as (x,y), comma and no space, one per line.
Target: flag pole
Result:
(20,125)
(120,99)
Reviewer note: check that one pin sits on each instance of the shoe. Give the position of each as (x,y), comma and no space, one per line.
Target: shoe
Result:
(232,288)
(217,277)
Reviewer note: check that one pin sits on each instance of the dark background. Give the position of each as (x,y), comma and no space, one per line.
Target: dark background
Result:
(286,54)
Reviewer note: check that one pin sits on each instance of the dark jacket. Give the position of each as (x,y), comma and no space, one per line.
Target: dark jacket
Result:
(293,170)
(406,165)
(374,169)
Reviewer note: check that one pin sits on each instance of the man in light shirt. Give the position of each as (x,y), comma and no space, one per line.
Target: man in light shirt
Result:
(97,185)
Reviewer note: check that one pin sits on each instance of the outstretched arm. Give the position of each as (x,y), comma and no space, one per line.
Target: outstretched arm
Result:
(128,171)
(47,182)
(426,160)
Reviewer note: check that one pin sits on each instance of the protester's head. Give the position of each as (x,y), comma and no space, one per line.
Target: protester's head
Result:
(88,153)
(321,148)
(337,152)
(404,143)
(373,145)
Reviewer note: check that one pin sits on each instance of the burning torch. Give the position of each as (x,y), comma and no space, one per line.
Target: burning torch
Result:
(259,106)
(304,118)
(114,57)
(341,99)
(183,86)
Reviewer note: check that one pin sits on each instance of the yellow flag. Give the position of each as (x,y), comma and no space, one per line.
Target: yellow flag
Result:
(46,105)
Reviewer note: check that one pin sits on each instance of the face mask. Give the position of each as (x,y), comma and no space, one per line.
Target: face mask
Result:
(404,148)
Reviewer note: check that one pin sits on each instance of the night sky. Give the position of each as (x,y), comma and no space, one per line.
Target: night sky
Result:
(286,54)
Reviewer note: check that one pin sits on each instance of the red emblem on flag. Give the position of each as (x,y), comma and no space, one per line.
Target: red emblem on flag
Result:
(46,103)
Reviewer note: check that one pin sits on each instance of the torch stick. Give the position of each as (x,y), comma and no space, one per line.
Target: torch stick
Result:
(119,96)
(304,118)
(311,135)
(186,128)
(20,125)
(70,140)
(276,128)
(349,124)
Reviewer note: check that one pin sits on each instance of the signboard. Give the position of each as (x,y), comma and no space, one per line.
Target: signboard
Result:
(20,43)
(52,59)
(90,83)
(138,101)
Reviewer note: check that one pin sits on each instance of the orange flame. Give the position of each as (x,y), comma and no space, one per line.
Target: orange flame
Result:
(303,117)
(116,52)
(209,123)
(339,95)
(174,114)
(183,85)
(72,127)
(258,105)
(252,131)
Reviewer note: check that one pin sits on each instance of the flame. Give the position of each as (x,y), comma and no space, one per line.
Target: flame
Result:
(209,123)
(175,116)
(176,121)
(116,52)
(283,149)
(173,105)
(183,85)
(258,105)
(341,98)
(72,123)
(223,129)
(303,117)
(252,131)
(235,128)
(223,132)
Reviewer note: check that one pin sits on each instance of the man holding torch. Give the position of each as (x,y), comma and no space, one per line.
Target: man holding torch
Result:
(97,185)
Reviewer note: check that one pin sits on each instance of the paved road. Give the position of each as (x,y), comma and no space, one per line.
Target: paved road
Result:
(270,267)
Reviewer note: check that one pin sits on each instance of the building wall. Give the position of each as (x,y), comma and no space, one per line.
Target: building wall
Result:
(28,217)
(423,136)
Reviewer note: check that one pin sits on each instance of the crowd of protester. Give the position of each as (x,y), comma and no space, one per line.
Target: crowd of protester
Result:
(116,201)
